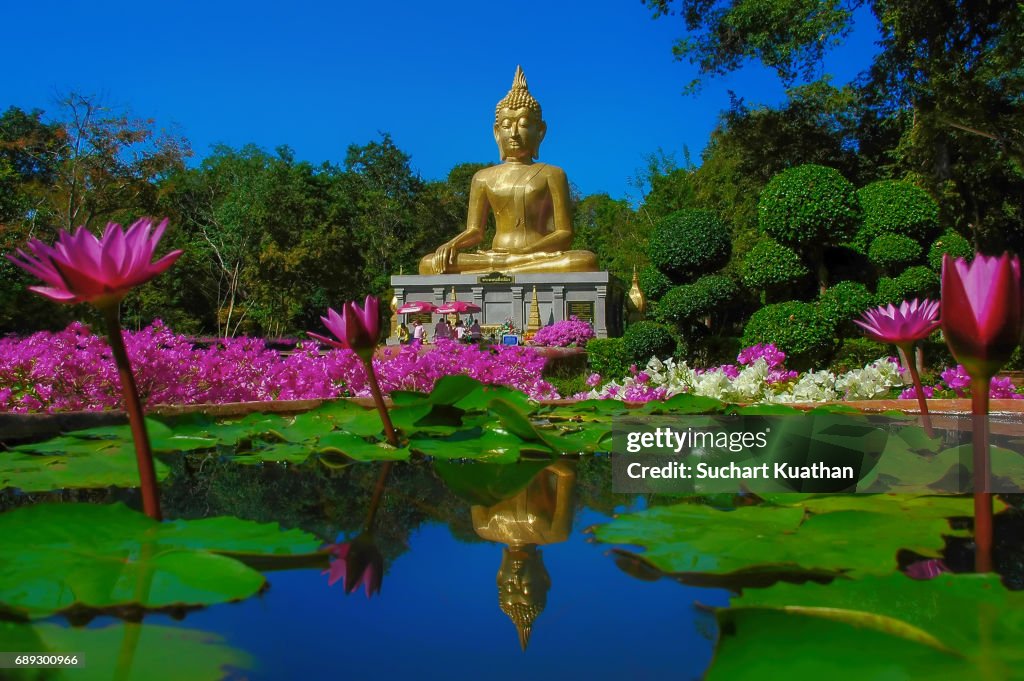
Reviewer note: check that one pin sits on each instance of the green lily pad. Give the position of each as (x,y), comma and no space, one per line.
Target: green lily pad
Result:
(487,484)
(850,535)
(359,449)
(55,556)
(492,445)
(98,463)
(956,616)
(125,651)
(753,640)
(685,403)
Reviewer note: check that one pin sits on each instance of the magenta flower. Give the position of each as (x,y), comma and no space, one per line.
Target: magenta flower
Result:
(82,268)
(911,321)
(356,562)
(981,311)
(981,320)
(356,328)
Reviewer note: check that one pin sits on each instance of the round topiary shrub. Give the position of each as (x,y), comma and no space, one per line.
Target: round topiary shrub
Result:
(809,205)
(718,290)
(915,282)
(953,244)
(897,207)
(644,340)
(920,282)
(682,304)
(890,252)
(796,328)
(608,357)
(690,302)
(653,282)
(770,264)
(843,303)
(688,243)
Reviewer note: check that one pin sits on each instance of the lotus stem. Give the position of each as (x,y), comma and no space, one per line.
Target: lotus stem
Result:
(378,494)
(982,476)
(378,400)
(915,377)
(132,404)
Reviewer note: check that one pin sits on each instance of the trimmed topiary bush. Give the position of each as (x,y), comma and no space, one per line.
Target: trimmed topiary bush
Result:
(718,290)
(809,205)
(653,282)
(796,328)
(897,207)
(855,352)
(689,243)
(891,252)
(843,303)
(953,244)
(644,340)
(920,282)
(770,264)
(690,302)
(608,357)
(915,282)
(682,304)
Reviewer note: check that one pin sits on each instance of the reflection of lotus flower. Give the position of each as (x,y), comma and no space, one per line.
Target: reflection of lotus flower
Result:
(355,562)
(981,315)
(356,328)
(926,569)
(82,268)
(911,321)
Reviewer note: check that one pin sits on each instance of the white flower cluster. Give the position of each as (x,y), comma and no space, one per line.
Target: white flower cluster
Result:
(754,383)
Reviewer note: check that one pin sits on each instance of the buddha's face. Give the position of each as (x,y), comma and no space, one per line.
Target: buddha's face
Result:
(518,133)
(523,579)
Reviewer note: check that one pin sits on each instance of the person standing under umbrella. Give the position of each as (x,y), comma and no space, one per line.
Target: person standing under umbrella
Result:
(442,331)
(419,332)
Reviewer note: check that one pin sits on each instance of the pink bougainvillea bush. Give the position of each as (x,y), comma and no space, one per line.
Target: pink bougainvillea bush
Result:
(571,332)
(957,383)
(73,369)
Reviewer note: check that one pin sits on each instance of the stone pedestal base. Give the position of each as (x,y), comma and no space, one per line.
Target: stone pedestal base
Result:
(594,296)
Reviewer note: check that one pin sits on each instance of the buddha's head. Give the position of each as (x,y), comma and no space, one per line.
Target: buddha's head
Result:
(518,126)
(523,584)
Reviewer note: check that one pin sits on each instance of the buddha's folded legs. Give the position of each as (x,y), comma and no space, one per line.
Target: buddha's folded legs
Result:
(496,261)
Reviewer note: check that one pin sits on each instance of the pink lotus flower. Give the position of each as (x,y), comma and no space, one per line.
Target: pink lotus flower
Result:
(911,321)
(981,311)
(82,268)
(357,562)
(356,328)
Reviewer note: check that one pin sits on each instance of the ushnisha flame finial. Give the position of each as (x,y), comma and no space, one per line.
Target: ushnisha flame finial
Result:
(519,96)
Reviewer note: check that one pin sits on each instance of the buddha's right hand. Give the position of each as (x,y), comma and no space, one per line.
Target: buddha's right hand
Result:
(443,257)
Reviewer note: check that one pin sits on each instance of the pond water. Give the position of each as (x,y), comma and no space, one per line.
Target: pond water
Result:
(437,615)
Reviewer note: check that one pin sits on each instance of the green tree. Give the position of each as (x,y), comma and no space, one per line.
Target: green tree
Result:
(613,231)
(383,189)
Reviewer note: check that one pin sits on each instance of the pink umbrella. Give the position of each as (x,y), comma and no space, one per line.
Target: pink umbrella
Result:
(457,307)
(416,307)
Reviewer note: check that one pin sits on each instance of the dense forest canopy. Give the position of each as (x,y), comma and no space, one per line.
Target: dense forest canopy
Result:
(271,241)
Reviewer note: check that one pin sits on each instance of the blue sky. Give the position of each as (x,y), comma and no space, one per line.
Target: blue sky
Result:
(321,76)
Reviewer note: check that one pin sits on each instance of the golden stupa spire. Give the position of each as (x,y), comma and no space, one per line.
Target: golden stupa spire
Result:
(636,301)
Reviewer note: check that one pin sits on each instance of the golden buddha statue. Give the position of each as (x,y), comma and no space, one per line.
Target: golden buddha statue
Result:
(541,513)
(530,202)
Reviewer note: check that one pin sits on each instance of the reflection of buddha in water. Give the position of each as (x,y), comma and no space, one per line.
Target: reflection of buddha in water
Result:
(539,514)
(530,202)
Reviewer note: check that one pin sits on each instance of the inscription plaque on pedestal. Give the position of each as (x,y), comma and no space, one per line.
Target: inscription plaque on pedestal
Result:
(581,309)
